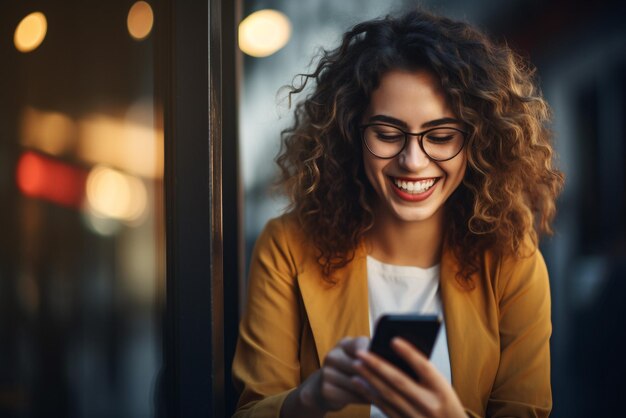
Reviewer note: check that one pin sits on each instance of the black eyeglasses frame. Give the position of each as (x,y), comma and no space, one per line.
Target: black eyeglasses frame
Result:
(420,137)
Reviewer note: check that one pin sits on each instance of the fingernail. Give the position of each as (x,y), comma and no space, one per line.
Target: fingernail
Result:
(399,341)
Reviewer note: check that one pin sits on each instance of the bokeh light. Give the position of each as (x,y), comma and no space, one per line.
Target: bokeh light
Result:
(30,32)
(116,195)
(51,132)
(129,143)
(264,32)
(48,179)
(140,20)
(100,225)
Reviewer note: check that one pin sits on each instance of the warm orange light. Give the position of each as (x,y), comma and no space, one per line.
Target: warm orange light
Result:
(124,143)
(140,20)
(51,180)
(31,177)
(30,32)
(51,132)
(264,32)
(113,194)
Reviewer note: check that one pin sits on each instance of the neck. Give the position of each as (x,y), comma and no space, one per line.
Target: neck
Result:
(394,241)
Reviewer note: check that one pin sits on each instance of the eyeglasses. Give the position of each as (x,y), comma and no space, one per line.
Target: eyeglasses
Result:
(387,141)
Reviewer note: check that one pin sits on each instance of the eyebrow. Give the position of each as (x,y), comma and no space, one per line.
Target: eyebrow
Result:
(388,119)
(403,124)
(442,121)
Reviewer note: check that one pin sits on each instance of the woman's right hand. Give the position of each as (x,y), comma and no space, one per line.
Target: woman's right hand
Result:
(330,388)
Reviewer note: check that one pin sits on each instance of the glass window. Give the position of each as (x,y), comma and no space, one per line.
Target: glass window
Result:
(81,215)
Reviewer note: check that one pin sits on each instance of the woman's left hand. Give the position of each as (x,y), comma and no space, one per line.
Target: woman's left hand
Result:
(397,394)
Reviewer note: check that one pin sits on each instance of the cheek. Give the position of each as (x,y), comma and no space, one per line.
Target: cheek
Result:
(463,166)
(456,171)
(460,170)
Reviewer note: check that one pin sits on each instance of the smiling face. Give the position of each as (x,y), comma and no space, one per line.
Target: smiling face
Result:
(411,187)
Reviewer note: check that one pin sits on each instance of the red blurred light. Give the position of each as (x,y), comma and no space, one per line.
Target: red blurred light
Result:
(48,179)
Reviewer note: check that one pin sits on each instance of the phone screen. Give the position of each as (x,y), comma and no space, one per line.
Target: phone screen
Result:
(419,330)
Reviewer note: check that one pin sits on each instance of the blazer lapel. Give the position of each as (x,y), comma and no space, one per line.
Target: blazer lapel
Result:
(454,322)
(468,342)
(339,310)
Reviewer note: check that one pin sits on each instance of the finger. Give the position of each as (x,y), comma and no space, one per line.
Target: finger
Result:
(369,393)
(316,392)
(342,356)
(417,395)
(332,378)
(336,398)
(335,393)
(363,388)
(386,370)
(352,345)
(338,359)
(387,392)
(429,376)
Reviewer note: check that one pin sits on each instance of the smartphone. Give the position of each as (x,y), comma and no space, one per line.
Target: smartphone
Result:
(419,330)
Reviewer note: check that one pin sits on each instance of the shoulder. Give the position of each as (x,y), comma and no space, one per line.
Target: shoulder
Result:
(522,271)
(283,230)
(283,237)
(284,225)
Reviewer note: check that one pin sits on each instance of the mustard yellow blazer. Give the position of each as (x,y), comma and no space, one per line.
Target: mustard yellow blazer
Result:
(498,333)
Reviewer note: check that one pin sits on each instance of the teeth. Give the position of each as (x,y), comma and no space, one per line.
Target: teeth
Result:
(414,187)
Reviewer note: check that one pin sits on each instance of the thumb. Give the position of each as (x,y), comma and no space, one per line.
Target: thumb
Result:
(352,345)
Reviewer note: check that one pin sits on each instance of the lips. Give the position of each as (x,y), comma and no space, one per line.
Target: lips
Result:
(414,189)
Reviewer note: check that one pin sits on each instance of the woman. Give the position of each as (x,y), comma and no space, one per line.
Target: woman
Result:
(420,175)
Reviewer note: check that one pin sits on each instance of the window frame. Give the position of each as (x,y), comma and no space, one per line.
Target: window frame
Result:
(200,65)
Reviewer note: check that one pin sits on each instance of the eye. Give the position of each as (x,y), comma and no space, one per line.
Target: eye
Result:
(387,134)
(442,136)
(440,139)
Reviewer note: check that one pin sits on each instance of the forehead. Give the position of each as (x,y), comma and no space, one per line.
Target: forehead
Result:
(414,97)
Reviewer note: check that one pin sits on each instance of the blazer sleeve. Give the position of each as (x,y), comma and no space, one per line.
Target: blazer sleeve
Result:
(266,366)
(522,384)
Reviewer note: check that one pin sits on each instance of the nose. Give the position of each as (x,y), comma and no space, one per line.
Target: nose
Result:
(412,158)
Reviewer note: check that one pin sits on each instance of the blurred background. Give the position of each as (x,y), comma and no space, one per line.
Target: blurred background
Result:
(81,213)
(82,219)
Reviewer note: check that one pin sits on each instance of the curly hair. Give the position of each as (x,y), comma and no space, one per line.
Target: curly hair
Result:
(510,186)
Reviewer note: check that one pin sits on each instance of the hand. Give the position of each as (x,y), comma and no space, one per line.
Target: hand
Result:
(331,387)
(396,394)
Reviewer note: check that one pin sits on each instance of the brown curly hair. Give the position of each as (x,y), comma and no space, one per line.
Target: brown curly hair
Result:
(510,186)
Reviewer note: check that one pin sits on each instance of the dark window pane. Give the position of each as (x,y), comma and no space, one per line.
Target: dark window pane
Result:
(81,214)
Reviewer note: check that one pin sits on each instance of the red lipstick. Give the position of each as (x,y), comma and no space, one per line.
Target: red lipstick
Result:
(413,197)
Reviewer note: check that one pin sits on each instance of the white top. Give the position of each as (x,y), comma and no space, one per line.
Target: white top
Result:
(406,289)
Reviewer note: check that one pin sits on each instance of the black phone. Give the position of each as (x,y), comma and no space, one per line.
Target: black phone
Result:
(419,330)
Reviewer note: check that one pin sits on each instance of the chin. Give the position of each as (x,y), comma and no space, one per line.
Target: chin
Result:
(410,215)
